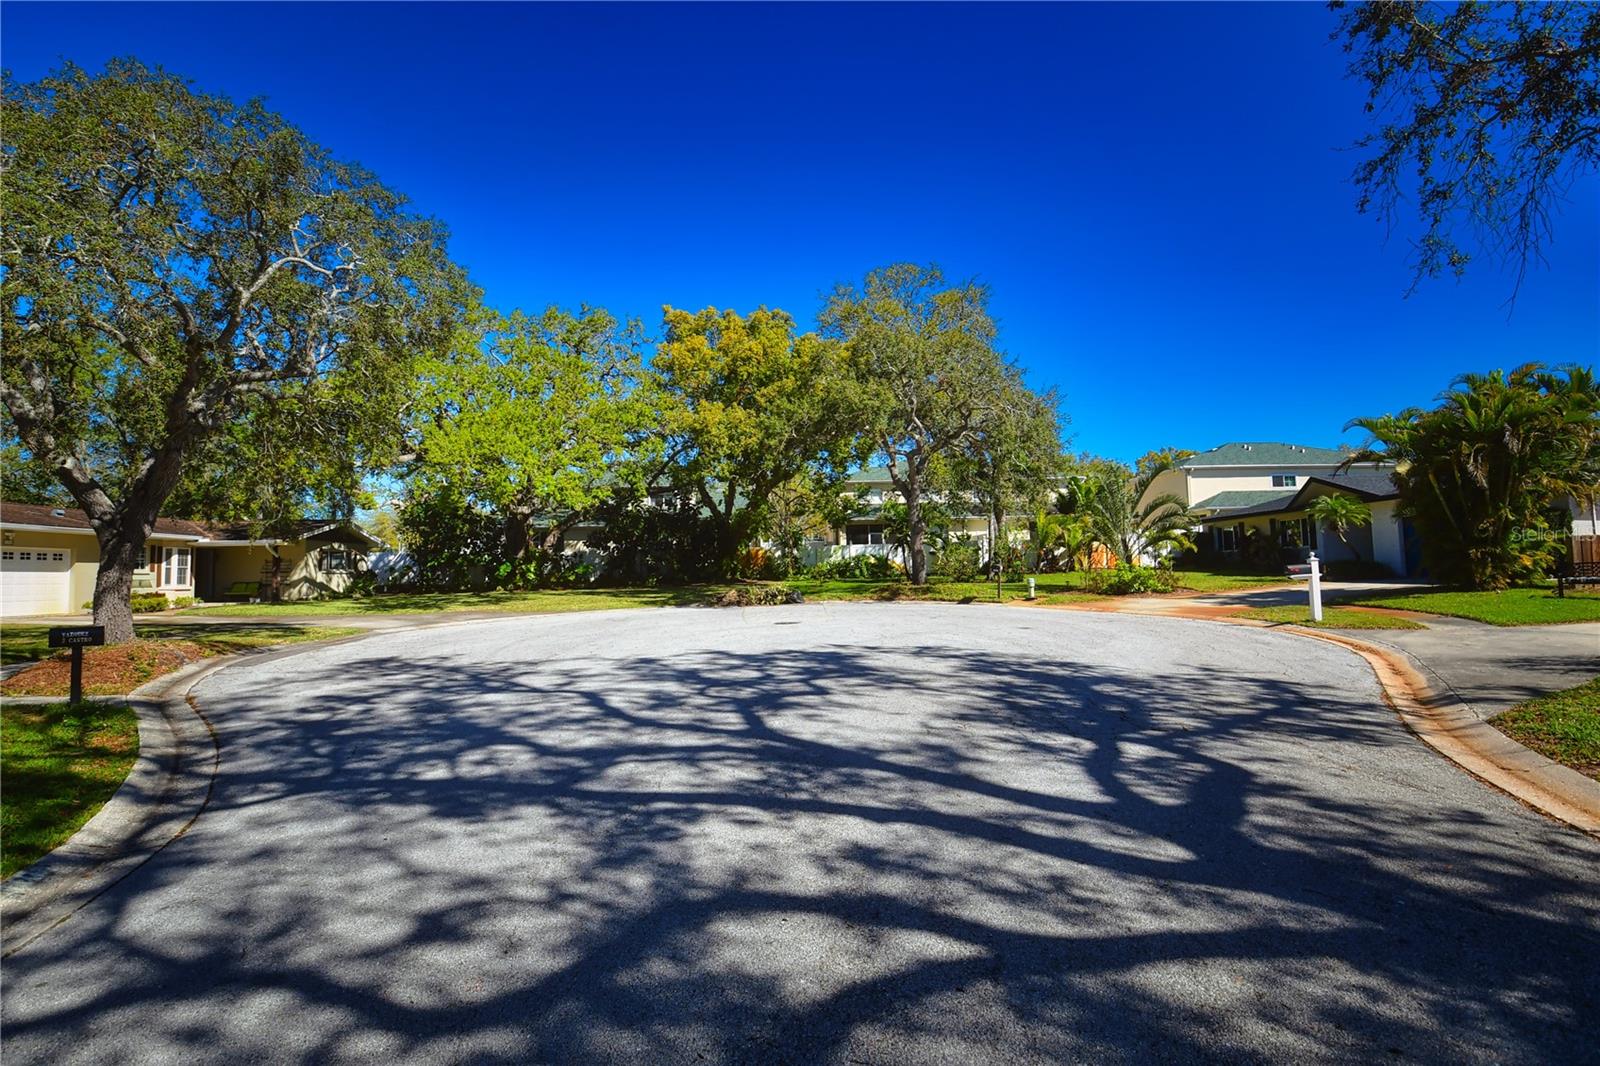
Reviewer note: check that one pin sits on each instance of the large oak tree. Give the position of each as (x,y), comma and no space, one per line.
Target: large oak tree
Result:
(926,374)
(748,405)
(540,422)
(179,267)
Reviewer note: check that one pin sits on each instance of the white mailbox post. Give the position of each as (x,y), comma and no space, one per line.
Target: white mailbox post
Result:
(1316,587)
(1031,594)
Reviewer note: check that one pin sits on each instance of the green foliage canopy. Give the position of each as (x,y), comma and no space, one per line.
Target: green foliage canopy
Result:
(178,268)
(1480,474)
(1489,113)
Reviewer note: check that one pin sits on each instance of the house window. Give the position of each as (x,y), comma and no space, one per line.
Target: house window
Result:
(173,566)
(866,534)
(1227,538)
(1283,481)
(1296,533)
(335,559)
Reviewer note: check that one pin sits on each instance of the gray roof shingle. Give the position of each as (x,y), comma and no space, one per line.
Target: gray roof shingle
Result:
(1265,453)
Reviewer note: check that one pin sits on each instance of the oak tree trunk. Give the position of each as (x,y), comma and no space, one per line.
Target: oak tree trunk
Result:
(120,556)
(919,556)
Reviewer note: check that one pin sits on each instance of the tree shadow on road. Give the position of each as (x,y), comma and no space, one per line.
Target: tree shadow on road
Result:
(814,855)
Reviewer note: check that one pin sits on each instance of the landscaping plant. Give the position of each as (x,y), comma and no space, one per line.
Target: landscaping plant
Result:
(1479,474)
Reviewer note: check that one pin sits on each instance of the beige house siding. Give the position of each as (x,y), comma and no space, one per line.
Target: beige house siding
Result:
(304,568)
(85,549)
(1204,483)
(307,574)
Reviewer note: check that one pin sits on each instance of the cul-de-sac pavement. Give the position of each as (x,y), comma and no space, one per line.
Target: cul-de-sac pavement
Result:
(852,833)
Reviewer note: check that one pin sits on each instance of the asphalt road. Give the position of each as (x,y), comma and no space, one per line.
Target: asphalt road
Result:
(844,833)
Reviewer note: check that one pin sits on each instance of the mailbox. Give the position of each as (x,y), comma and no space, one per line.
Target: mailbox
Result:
(77,636)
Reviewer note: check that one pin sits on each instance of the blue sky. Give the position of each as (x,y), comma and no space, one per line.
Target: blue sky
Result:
(1157,194)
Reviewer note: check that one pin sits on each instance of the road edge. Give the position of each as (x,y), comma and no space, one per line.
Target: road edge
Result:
(1437,717)
(1447,725)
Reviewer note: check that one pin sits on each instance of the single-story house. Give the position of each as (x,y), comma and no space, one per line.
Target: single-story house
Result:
(1283,516)
(49,556)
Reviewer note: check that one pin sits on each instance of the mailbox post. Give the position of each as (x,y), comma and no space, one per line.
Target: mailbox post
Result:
(77,638)
(1316,588)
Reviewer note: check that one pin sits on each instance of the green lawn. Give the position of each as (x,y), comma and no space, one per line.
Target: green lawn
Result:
(1052,588)
(28,643)
(1564,726)
(1513,607)
(59,764)
(1218,581)
(537,601)
(1332,618)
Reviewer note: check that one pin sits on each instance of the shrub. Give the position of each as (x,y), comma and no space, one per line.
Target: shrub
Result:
(1125,580)
(755,562)
(756,596)
(861,567)
(145,602)
(959,561)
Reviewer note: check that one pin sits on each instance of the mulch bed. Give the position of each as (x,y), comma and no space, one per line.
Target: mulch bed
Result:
(109,671)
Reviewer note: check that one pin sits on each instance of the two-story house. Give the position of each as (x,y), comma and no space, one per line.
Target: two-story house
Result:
(1267,487)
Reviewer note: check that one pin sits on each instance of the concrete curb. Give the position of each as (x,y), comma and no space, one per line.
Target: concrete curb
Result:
(1451,728)
(162,796)
(167,789)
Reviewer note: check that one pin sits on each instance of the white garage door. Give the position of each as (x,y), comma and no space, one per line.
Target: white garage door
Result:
(35,580)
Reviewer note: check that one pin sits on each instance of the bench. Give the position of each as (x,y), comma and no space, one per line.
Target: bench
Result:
(1577,574)
(244,590)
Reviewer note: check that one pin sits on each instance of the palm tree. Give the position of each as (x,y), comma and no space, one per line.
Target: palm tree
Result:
(1059,540)
(1113,505)
(1341,512)
(1478,473)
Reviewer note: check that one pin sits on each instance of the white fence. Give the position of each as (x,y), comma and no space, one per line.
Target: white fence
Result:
(813,553)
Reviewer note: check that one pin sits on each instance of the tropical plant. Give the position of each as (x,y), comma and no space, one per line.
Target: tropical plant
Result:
(1341,512)
(1479,474)
(1124,580)
(1060,542)
(1123,514)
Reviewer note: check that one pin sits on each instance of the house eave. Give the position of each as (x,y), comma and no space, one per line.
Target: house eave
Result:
(32,527)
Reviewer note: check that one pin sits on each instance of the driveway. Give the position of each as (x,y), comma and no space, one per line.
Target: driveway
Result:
(1491,668)
(844,833)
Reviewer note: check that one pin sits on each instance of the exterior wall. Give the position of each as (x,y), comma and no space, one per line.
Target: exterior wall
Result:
(305,575)
(1171,482)
(85,549)
(1331,549)
(235,564)
(1585,517)
(1388,547)
(1205,482)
